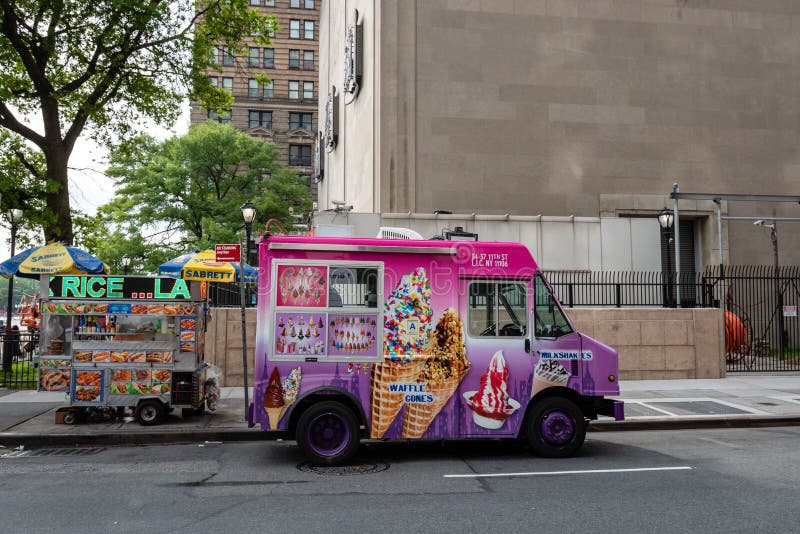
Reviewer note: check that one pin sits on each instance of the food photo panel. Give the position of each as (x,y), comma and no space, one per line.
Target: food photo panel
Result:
(303,285)
(300,333)
(352,335)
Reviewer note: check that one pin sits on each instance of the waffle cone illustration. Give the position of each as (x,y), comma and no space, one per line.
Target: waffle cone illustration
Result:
(385,404)
(275,415)
(418,417)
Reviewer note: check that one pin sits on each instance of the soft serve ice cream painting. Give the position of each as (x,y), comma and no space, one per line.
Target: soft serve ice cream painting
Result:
(491,404)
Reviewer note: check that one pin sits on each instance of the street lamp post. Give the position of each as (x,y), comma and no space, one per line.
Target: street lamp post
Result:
(773,236)
(14,217)
(248,214)
(126,262)
(666,219)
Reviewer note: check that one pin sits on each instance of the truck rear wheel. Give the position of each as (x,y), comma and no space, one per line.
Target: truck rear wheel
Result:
(327,433)
(149,412)
(555,427)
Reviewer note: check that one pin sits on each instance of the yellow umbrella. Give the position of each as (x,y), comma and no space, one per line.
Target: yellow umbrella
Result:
(204,267)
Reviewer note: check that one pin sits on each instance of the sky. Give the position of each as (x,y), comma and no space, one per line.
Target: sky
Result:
(89,187)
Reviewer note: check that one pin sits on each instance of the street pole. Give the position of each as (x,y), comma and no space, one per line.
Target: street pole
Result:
(15,215)
(248,214)
(773,235)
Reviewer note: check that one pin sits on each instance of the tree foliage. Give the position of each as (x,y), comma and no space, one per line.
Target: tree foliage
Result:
(103,66)
(185,194)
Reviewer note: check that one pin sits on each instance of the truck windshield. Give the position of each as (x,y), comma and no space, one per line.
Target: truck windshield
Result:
(549,319)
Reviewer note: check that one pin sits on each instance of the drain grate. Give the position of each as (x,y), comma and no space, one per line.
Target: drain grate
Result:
(638,410)
(344,470)
(82,451)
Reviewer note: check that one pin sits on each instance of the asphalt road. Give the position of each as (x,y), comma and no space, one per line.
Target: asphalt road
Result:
(733,480)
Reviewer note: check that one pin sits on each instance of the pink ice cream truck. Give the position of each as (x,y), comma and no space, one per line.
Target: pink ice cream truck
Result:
(429,339)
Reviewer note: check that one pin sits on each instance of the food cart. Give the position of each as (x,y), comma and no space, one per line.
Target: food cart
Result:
(124,342)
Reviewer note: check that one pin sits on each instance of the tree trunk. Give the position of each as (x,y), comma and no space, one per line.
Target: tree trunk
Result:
(59,228)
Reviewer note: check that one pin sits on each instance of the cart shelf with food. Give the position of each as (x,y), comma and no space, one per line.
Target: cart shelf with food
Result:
(123,342)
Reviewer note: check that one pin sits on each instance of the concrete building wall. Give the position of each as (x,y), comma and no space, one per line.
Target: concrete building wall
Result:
(550,107)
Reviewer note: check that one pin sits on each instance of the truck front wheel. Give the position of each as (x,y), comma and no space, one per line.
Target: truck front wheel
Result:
(327,433)
(555,427)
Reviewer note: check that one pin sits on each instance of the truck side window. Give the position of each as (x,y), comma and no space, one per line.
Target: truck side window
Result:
(550,320)
(354,286)
(497,309)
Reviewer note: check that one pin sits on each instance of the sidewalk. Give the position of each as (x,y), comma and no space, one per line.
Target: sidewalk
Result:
(28,417)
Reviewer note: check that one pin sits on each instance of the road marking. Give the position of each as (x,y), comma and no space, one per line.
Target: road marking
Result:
(579,472)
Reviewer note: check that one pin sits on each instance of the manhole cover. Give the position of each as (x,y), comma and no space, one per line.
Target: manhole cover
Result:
(344,470)
(83,451)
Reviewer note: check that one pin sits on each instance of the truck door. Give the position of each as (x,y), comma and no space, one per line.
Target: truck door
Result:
(556,346)
(495,391)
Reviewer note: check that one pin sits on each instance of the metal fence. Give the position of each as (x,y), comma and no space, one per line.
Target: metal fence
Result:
(229,295)
(762,329)
(18,353)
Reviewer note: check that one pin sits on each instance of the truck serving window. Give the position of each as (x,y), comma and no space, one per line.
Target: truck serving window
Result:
(497,309)
(550,320)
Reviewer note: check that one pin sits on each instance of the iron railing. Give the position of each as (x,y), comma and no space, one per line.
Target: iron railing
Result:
(223,295)
(18,352)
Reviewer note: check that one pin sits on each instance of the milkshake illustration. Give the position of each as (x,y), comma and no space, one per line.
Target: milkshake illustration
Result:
(548,373)
(491,404)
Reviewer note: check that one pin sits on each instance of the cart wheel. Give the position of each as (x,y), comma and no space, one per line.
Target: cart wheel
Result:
(327,433)
(149,412)
(70,418)
(555,427)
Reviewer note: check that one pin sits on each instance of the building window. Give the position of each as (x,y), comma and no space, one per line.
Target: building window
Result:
(227,57)
(269,3)
(309,4)
(308,60)
(294,29)
(294,4)
(252,87)
(269,58)
(223,118)
(227,83)
(269,90)
(308,27)
(255,2)
(261,119)
(215,55)
(294,59)
(300,155)
(254,57)
(294,90)
(214,81)
(299,120)
(308,90)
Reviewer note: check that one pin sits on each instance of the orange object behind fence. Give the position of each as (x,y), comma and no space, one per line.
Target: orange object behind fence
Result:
(735,333)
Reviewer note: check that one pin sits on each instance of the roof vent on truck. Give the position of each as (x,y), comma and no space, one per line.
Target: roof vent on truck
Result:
(390,232)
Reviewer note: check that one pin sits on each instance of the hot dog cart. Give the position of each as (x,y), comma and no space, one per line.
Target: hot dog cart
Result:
(124,342)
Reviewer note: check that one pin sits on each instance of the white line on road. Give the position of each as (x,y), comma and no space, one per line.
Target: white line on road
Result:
(582,472)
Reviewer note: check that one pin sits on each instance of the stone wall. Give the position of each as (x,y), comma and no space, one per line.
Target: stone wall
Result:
(659,343)
(653,343)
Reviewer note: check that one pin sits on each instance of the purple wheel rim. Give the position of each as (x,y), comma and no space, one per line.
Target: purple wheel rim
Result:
(557,428)
(328,434)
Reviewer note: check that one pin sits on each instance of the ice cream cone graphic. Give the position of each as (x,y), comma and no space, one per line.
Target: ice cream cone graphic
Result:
(407,318)
(443,374)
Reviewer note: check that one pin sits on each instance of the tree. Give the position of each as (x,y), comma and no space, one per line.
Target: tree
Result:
(185,193)
(101,67)
(18,189)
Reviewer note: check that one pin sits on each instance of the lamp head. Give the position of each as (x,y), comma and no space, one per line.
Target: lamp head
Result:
(666,218)
(248,212)
(759,222)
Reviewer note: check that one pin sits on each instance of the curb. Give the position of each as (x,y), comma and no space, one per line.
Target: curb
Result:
(695,423)
(13,439)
